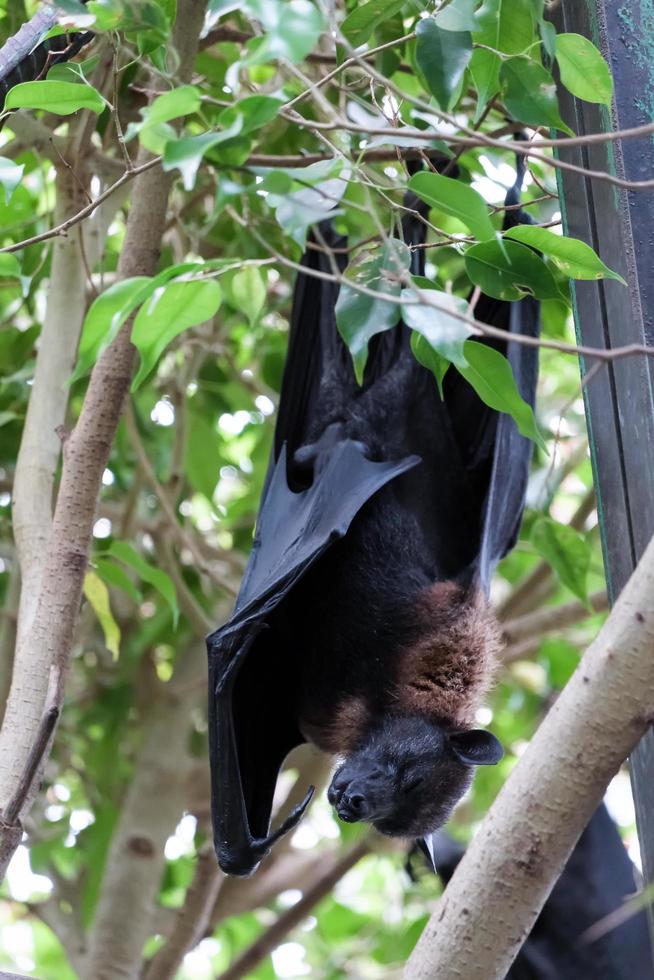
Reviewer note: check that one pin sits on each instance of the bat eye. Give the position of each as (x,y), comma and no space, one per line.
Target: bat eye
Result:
(414,784)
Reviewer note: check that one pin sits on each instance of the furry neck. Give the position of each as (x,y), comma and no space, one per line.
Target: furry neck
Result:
(448,669)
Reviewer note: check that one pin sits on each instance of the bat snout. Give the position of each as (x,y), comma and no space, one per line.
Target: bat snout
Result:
(353,806)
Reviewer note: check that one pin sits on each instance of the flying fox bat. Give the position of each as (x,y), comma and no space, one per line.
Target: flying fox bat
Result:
(362,623)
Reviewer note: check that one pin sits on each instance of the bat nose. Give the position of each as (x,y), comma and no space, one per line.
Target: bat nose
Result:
(353,806)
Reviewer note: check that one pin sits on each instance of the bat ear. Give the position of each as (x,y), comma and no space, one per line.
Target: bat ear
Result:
(476,747)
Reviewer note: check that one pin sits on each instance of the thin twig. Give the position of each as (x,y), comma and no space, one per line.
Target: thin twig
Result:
(62,228)
(184,539)
(244,964)
(425,298)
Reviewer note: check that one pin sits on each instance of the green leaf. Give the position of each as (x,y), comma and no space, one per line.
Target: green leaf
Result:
(530,94)
(255,112)
(202,454)
(584,72)
(295,212)
(365,18)
(171,105)
(168,312)
(126,553)
(105,317)
(186,153)
(508,270)
(9,266)
(62,98)
(291,30)
(573,257)
(442,56)
(457,199)
(10,176)
(491,375)
(566,551)
(360,317)
(98,597)
(425,354)
(113,574)
(485,73)
(444,333)
(459,15)
(514,26)
(246,292)
(548,37)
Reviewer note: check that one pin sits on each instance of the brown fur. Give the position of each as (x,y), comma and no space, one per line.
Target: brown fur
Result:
(448,670)
(339,733)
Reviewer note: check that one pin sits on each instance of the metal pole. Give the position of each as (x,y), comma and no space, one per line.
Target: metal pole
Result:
(620,226)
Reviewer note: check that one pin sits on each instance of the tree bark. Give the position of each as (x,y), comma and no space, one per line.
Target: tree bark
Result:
(150,812)
(56,600)
(511,865)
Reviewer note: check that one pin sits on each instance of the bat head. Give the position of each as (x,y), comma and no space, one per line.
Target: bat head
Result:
(407,775)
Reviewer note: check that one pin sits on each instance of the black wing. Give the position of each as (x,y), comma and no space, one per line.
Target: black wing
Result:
(451,474)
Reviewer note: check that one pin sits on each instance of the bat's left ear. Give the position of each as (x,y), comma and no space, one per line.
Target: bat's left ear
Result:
(476,747)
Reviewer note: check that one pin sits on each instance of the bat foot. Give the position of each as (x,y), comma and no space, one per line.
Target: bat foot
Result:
(243,862)
(307,456)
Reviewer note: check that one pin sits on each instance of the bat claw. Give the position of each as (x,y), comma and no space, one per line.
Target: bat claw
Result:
(292,819)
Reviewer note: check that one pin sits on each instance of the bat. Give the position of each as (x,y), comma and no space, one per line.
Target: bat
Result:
(362,623)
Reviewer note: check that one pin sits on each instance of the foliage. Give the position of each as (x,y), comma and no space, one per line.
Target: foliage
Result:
(211,328)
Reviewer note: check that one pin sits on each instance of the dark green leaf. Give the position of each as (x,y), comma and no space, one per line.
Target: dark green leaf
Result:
(508,270)
(485,73)
(442,56)
(530,94)
(425,354)
(573,257)
(491,376)
(566,550)
(457,199)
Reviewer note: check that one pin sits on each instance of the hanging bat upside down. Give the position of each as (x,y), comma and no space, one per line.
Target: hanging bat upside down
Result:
(363,624)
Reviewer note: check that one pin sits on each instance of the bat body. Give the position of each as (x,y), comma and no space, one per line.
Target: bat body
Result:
(362,623)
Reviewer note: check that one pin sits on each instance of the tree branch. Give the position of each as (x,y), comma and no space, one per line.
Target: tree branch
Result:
(192,919)
(150,812)
(551,618)
(530,830)
(532,589)
(55,603)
